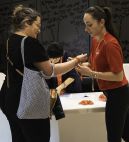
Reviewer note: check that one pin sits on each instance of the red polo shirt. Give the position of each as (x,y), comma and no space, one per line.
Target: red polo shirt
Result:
(106,56)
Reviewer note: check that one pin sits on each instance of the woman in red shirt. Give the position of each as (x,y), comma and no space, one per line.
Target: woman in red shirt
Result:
(106,65)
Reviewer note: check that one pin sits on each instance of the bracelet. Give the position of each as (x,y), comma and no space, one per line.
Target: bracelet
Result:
(94,74)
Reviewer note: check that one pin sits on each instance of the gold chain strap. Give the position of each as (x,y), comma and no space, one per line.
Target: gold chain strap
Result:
(11,63)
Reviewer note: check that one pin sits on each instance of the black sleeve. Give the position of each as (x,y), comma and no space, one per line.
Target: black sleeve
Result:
(34,51)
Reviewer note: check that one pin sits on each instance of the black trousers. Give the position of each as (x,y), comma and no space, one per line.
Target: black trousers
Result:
(117,114)
(29,130)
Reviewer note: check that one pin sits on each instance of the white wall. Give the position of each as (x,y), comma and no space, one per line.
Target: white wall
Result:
(5,134)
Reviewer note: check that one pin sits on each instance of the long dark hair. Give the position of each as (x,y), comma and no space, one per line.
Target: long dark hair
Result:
(99,13)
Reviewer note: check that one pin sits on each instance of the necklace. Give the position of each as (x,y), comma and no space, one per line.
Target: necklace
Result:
(96,51)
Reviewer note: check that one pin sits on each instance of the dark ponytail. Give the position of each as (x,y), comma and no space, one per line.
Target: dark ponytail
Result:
(99,13)
(109,23)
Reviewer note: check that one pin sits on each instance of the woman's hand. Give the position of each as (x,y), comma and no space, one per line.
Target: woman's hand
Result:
(86,64)
(81,58)
(84,70)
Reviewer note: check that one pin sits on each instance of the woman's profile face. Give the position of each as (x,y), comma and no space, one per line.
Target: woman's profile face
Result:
(93,27)
(34,29)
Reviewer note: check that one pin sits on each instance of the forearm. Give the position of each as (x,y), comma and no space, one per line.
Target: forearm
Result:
(65,67)
(60,68)
(109,76)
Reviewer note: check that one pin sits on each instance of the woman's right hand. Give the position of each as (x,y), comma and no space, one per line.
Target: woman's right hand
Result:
(86,64)
(84,70)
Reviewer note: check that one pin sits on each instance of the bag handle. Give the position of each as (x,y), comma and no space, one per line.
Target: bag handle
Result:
(22,49)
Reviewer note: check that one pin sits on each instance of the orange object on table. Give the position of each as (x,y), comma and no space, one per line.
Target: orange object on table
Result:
(86,102)
(102,97)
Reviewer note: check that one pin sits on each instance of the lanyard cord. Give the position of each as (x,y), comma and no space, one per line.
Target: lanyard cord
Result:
(96,50)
